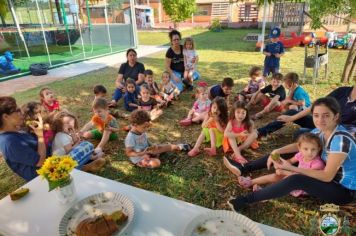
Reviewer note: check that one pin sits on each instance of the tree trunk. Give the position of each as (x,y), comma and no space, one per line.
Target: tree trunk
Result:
(349,68)
(3,21)
(59,12)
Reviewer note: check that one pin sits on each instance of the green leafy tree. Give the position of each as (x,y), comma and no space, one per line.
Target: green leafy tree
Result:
(179,10)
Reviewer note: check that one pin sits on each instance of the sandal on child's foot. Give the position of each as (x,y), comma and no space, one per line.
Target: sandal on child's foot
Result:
(210,151)
(185,122)
(193,153)
(239,159)
(245,182)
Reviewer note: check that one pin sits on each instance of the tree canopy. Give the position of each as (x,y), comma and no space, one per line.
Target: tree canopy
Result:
(179,10)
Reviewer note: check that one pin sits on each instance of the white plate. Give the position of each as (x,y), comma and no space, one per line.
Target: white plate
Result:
(222,223)
(95,205)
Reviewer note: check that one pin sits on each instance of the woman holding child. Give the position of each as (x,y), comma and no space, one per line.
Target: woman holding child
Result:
(23,152)
(335,183)
(175,61)
(130,69)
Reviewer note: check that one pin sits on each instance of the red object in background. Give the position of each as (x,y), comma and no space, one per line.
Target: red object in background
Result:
(307,40)
(323,40)
(295,40)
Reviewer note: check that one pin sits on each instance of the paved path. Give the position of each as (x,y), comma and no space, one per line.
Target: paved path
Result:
(10,87)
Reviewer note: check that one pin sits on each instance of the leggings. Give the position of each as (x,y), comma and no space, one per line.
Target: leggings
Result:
(330,192)
(256,164)
(304,122)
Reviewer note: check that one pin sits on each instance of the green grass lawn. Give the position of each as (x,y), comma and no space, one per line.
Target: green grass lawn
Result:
(202,180)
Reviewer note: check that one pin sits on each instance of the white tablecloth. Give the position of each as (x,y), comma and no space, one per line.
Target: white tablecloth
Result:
(39,213)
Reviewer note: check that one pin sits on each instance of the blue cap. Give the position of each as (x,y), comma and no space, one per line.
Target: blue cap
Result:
(275,33)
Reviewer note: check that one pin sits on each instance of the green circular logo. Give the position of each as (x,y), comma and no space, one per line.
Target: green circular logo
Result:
(329,225)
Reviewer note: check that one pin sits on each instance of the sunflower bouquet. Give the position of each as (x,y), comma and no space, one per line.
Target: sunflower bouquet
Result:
(56,170)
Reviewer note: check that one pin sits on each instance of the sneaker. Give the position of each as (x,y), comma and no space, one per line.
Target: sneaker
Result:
(230,202)
(232,166)
(237,204)
(185,122)
(185,147)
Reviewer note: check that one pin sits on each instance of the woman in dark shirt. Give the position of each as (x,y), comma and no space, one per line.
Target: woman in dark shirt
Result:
(130,69)
(175,59)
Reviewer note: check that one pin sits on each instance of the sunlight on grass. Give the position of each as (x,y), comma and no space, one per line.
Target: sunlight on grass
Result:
(201,180)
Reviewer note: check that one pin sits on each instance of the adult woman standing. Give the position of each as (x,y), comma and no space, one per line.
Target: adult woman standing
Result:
(23,152)
(130,69)
(335,184)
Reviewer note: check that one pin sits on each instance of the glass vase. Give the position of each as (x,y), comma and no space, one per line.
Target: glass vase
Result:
(66,194)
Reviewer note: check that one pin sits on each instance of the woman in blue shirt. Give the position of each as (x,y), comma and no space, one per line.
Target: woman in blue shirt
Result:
(335,184)
(23,152)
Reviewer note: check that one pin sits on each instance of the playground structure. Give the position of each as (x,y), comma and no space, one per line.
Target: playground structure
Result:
(57,32)
(315,61)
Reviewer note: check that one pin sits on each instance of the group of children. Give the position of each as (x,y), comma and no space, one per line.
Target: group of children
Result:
(228,126)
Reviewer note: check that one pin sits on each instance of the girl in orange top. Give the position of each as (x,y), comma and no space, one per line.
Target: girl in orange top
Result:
(240,132)
(213,128)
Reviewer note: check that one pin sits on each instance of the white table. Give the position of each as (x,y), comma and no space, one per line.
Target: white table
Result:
(39,213)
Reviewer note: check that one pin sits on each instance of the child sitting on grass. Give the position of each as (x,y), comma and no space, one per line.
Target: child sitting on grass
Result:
(102,126)
(101,92)
(153,87)
(200,108)
(240,132)
(308,157)
(298,99)
(147,103)
(212,128)
(255,84)
(168,90)
(221,90)
(271,96)
(48,100)
(131,95)
(138,148)
(67,142)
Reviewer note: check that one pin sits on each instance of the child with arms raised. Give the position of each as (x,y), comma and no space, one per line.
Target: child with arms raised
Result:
(137,146)
(308,157)
(102,126)
(200,108)
(213,128)
(240,132)
(67,142)
(271,97)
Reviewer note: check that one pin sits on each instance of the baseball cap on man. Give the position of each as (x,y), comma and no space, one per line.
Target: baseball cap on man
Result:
(275,33)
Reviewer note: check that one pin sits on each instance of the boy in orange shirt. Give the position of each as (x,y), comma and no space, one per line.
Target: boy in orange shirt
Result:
(102,125)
